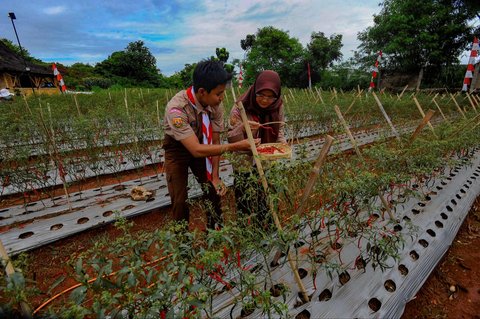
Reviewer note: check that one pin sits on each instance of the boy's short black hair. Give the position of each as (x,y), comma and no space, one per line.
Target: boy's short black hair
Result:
(208,74)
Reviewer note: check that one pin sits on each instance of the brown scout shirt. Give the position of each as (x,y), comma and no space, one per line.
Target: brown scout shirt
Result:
(183,120)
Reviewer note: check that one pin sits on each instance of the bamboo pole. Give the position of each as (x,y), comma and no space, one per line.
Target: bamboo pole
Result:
(351,104)
(314,173)
(394,130)
(357,150)
(258,163)
(319,95)
(458,106)
(76,104)
(422,124)
(423,115)
(10,270)
(471,103)
(401,94)
(56,157)
(441,112)
(158,116)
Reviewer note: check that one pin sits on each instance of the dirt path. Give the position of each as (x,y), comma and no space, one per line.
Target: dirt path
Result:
(453,288)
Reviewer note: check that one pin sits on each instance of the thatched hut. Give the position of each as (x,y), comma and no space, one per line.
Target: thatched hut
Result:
(19,78)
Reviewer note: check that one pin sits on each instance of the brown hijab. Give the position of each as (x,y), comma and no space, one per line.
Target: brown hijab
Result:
(266,80)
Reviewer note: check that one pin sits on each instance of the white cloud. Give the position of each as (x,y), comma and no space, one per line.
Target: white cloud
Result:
(54,10)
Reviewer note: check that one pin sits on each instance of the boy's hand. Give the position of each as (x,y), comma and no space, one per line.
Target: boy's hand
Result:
(220,187)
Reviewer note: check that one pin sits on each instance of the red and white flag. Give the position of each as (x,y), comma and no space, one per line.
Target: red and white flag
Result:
(470,67)
(240,77)
(59,77)
(375,71)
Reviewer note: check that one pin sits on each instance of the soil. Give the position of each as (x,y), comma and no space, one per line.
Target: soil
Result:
(451,291)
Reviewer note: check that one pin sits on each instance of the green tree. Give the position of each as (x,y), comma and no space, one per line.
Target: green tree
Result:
(136,65)
(16,49)
(415,35)
(273,49)
(322,52)
(76,73)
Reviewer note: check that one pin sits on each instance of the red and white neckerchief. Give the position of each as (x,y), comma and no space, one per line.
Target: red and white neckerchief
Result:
(206,130)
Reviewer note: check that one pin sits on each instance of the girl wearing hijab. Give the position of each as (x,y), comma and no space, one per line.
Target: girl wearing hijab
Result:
(265,112)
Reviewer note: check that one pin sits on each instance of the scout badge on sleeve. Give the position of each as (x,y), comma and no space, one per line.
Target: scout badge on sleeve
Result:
(177,122)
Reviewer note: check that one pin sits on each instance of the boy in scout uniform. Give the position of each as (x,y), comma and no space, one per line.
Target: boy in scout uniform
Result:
(193,122)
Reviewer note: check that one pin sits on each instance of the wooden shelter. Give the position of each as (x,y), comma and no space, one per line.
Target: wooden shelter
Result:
(20,77)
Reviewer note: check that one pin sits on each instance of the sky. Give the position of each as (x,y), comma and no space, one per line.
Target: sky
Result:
(176,32)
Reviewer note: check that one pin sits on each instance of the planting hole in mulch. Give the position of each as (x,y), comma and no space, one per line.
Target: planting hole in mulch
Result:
(162,186)
(25,235)
(450,209)
(150,199)
(438,224)
(431,232)
(128,207)
(406,218)
(305,314)
(31,204)
(320,258)
(56,227)
(415,211)
(423,242)
(421,204)
(325,295)
(397,228)
(336,246)
(374,304)
(107,213)
(4,210)
(454,202)
(82,220)
(277,290)
(390,285)
(403,270)
(414,255)
(315,233)
(343,278)
(427,198)
(299,244)
(444,216)
(256,268)
(119,188)
(246,312)
(97,189)
(458,196)
(360,263)
(302,272)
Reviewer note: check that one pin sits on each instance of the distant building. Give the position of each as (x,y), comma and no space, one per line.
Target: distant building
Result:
(15,77)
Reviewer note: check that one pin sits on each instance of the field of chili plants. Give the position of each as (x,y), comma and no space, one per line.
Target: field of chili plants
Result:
(359,243)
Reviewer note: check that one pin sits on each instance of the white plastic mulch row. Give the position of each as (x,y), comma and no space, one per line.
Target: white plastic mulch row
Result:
(373,293)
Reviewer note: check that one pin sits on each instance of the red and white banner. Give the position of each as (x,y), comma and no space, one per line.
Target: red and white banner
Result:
(470,67)
(240,77)
(375,71)
(59,77)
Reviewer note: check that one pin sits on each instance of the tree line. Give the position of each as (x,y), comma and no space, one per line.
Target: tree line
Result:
(416,37)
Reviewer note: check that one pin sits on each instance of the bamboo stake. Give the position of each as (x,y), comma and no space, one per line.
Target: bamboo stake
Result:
(401,94)
(423,115)
(458,106)
(357,150)
(258,163)
(319,95)
(76,104)
(158,116)
(394,130)
(9,270)
(351,104)
(475,98)
(314,173)
(422,124)
(471,103)
(441,112)
(435,96)
(56,156)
